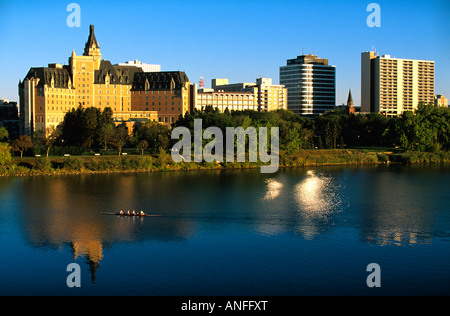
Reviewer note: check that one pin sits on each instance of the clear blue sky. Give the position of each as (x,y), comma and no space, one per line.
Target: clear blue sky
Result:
(238,40)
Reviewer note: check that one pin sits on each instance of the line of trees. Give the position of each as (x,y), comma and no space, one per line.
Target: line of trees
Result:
(91,128)
(426,130)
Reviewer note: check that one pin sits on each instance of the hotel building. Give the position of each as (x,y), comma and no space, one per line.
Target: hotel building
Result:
(261,95)
(310,83)
(391,86)
(233,101)
(47,93)
(167,93)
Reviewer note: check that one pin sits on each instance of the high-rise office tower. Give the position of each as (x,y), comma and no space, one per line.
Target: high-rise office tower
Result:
(310,83)
(391,86)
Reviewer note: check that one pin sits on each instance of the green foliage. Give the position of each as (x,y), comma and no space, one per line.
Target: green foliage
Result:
(44,165)
(163,158)
(5,154)
(46,139)
(426,130)
(422,137)
(86,127)
(154,134)
(119,137)
(72,164)
(4,135)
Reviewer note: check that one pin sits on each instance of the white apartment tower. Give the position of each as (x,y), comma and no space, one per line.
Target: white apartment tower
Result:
(391,86)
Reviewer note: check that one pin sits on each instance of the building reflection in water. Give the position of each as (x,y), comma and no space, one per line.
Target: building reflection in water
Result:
(395,210)
(66,211)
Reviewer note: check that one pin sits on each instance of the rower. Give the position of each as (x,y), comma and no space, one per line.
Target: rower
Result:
(142,213)
(134,212)
(128,213)
(121,212)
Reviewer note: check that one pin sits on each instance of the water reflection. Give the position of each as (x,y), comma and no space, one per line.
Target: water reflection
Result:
(397,208)
(382,206)
(273,189)
(66,211)
(318,195)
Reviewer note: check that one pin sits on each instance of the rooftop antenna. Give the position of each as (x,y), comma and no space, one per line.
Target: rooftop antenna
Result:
(201,82)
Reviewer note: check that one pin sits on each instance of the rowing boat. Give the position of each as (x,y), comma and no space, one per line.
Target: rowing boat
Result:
(133,215)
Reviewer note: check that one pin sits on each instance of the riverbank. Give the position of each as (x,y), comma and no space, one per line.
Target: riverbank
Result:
(163,162)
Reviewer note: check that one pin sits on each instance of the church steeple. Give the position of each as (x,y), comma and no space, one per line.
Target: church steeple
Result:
(92,48)
(350,107)
(350,99)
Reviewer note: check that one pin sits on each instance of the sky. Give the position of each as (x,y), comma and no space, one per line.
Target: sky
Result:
(239,40)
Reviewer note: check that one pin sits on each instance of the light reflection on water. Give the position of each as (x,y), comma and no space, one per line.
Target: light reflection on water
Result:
(273,189)
(318,195)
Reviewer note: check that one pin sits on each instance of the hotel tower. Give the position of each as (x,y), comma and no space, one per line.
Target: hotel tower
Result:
(310,83)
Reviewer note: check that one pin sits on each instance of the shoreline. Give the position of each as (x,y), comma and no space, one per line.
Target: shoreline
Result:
(131,171)
(87,165)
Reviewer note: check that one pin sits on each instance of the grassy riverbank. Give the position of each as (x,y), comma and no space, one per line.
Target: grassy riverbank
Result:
(163,162)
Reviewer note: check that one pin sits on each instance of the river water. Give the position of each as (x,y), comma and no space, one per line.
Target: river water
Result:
(229,233)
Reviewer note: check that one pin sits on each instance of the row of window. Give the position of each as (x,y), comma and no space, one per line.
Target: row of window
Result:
(159,109)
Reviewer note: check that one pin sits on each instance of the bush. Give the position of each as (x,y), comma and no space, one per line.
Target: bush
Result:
(73,164)
(145,162)
(5,154)
(44,165)
(383,158)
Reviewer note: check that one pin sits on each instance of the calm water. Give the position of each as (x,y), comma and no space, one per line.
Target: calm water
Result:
(298,232)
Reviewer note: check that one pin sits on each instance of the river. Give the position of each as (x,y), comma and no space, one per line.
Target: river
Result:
(301,231)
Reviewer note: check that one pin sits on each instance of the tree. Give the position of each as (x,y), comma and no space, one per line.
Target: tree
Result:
(70,130)
(292,141)
(104,133)
(119,137)
(5,154)
(89,127)
(46,138)
(143,145)
(82,127)
(3,134)
(22,144)
(156,135)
